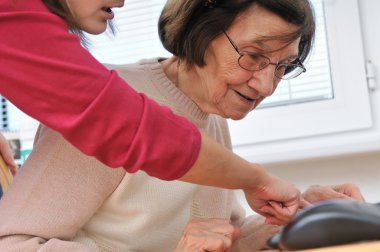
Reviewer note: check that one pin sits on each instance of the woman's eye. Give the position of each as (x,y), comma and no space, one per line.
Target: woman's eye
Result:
(254,56)
(291,61)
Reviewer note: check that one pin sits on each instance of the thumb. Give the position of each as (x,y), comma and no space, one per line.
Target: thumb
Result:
(339,195)
(236,234)
(304,203)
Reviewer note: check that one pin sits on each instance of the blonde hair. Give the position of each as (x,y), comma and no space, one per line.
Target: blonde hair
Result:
(61,9)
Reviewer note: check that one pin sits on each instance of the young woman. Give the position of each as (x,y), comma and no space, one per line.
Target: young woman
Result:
(47,73)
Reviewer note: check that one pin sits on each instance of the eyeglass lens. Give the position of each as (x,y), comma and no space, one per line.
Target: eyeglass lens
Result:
(256,62)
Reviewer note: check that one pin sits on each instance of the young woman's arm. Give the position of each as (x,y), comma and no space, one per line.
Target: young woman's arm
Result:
(50,76)
(268,195)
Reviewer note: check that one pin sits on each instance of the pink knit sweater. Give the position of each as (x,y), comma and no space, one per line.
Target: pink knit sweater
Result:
(63,200)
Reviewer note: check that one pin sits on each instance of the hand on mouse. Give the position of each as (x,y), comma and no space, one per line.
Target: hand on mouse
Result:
(316,193)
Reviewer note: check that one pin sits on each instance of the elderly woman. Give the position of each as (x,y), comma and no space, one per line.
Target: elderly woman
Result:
(228,56)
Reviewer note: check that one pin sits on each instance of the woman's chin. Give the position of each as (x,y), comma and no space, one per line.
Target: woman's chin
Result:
(95,29)
(238,116)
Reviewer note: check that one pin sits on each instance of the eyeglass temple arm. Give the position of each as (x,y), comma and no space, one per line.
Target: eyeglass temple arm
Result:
(231,42)
(300,64)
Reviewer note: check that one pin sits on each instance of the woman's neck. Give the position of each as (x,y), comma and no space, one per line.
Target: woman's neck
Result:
(186,79)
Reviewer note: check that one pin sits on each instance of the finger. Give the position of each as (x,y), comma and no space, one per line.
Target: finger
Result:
(350,190)
(279,212)
(4,163)
(357,196)
(220,226)
(267,211)
(204,242)
(7,156)
(286,212)
(337,194)
(273,217)
(236,234)
(216,242)
(274,221)
(271,214)
(198,236)
(13,168)
(304,203)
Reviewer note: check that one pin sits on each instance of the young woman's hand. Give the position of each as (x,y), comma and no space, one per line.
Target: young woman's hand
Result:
(276,199)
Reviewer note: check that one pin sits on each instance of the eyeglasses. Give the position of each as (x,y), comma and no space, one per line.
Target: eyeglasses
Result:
(255,62)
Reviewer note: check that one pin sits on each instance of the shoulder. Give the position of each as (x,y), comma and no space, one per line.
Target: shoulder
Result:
(23,6)
(138,75)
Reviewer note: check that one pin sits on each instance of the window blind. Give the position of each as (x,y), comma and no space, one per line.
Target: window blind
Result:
(10,116)
(136,34)
(315,84)
(137,37)
(4,113)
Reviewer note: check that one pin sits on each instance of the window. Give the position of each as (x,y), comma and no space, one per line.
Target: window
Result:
(4,114)
(330,99)
(10,116)
(136,34)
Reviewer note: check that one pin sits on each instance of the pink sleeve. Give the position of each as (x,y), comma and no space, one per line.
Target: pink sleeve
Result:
(47,74)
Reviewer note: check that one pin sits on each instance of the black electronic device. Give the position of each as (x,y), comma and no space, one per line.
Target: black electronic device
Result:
(329,223)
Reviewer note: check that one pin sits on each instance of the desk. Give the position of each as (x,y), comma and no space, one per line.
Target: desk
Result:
(357,247)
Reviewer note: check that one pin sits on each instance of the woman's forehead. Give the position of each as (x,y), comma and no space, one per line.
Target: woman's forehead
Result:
(263,29)
(259,22)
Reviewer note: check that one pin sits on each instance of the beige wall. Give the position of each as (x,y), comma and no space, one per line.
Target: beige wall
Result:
(363,170)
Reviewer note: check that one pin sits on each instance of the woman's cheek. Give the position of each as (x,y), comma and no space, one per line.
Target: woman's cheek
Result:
(258,102)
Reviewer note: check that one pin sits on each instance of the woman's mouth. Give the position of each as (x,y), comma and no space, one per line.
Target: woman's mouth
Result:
(245,98)
(107,9)
(109,14)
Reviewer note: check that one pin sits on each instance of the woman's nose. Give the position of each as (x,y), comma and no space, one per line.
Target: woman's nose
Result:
(264,81)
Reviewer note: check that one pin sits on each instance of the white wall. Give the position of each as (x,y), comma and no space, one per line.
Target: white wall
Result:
(362,169)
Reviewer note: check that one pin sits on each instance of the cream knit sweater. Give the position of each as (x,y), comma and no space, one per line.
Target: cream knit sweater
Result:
(63,200)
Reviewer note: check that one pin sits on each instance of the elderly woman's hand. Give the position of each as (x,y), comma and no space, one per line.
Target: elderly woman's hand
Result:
(318,193)
(201,235)
(6,154)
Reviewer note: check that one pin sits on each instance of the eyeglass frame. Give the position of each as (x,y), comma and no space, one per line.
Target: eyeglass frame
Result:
(277,65)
